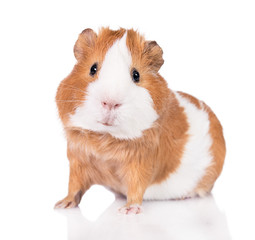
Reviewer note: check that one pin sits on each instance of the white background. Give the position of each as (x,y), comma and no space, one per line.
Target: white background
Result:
(209,51)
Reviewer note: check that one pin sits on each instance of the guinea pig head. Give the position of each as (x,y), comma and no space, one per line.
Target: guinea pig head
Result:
(115,86)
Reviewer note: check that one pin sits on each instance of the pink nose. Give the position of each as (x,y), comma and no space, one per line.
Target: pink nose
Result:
(110,105)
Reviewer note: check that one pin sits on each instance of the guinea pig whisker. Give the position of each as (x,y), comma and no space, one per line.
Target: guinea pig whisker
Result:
(72,87)
(69,100)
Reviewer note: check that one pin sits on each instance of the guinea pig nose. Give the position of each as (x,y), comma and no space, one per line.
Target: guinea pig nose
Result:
(110,105)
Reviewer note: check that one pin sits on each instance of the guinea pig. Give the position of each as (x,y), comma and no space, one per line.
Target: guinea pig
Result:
(126,130)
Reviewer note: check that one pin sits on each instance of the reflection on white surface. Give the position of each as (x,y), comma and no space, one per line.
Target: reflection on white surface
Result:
(196,219)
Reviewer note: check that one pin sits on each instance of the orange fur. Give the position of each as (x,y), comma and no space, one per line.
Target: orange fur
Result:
(127,166)
(218,148)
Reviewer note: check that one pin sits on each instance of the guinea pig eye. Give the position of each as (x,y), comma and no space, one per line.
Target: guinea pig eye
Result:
(135,76)
(93,69)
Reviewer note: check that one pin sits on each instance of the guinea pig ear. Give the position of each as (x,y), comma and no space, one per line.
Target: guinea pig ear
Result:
(85,42)
(153,54)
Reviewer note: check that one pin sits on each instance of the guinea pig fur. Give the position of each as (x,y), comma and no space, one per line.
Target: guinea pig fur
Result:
(126,130)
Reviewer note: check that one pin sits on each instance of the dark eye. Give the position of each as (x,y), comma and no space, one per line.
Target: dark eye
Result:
(135,76)
(93,69)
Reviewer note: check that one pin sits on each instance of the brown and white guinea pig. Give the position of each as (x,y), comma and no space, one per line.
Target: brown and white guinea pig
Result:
(128,131)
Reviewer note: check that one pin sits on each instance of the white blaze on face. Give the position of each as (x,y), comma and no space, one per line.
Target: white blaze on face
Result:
(114,103)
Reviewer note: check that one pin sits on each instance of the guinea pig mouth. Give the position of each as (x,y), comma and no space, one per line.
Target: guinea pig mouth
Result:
(106,124)
(108,120)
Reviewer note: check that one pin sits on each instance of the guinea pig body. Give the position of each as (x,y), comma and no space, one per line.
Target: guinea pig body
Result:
(128,131)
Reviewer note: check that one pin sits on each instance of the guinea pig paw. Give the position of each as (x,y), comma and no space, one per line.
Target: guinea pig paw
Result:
(66,203)
(132,209)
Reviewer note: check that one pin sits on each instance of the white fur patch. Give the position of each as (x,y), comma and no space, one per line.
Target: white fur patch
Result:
(114,84)
(196,157)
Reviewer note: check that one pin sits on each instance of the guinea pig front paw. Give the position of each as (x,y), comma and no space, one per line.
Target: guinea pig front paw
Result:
(67,202)
(132,209)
